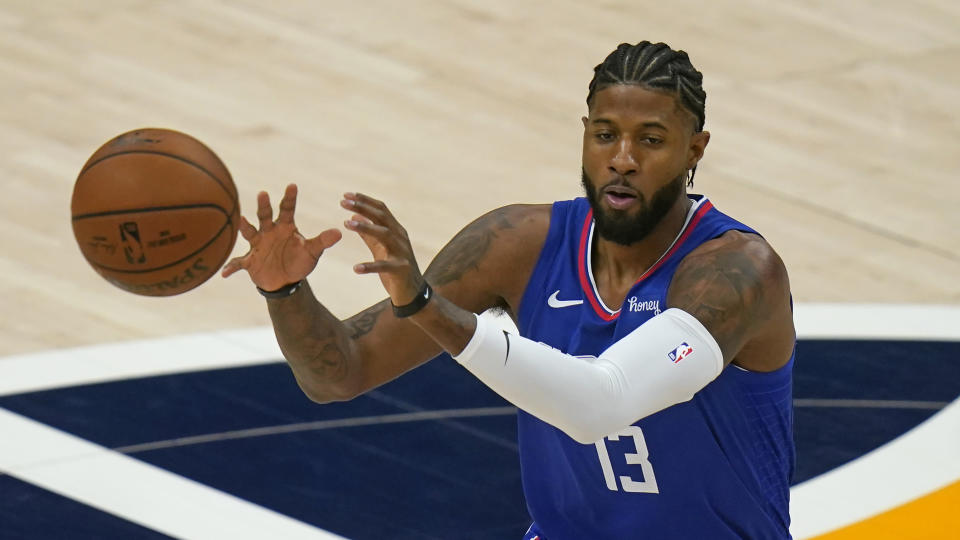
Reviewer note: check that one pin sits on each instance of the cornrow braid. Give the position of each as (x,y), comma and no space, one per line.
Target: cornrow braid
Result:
(655,66)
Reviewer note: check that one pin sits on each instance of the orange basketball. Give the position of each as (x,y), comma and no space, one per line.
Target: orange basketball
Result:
(155,212)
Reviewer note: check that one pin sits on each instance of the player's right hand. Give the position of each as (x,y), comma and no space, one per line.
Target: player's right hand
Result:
(279,254)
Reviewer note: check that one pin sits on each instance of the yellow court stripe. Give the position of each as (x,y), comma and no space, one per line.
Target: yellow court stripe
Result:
(931,517)
(919,462)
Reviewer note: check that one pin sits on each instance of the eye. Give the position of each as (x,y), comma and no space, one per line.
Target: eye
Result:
(653,141)
(604,136)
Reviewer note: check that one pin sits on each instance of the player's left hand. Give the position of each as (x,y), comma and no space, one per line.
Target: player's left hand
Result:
(393,257)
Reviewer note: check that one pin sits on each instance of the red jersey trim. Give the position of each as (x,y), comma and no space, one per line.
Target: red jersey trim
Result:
(582,272)
(588,289)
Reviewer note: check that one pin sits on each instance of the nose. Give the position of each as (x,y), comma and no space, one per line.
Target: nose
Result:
(623,162)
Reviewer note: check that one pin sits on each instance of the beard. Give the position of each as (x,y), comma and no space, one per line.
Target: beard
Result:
(620,226)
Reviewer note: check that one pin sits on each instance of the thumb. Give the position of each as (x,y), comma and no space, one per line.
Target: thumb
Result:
(322,241)
(235,264)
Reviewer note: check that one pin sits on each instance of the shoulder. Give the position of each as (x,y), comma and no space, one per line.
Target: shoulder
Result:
(737,286)
(743,256)
(492,256)
(522,219)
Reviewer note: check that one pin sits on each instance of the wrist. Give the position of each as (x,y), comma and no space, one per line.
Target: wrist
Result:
(421,299)
(283,292)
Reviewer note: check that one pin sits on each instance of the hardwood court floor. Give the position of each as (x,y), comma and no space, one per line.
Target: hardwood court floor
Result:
(834,131)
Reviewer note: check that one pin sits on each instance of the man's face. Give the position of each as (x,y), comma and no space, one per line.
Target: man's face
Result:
(637,147)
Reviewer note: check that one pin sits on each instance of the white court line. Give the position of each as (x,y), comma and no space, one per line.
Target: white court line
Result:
(870,403)
(877,321)
(134,359)
(233,348)
(146,358)
(318,425)
(449,414)
(134,490)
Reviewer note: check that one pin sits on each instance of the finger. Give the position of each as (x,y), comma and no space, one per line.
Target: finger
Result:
(380,240)
(366,199)
(264,211)
(237,263)
(368,210)
(323,241)
(378,267)
(288,204)
(247,230)
(373,208)
(366,227)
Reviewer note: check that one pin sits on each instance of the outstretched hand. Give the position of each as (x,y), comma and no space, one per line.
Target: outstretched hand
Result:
(393,257)
(279,254)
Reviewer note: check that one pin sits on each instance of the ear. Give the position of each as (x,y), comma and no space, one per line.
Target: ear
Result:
(698,143)
(584,119)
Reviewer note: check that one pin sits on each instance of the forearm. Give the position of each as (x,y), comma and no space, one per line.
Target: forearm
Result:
(317,345)
(589,398)
(449,325)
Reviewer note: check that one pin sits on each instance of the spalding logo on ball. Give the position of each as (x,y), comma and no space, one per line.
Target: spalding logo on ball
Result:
(155,212)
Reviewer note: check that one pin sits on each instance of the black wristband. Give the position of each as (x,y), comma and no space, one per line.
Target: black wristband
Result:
(423,296)
(282,292)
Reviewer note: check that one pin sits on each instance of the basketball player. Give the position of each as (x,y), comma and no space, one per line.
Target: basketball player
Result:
(653,366)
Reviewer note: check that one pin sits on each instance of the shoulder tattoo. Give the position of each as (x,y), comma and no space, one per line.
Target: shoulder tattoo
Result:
(724,290)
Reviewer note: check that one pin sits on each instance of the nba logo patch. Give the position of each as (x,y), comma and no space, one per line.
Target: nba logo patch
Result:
(682,351)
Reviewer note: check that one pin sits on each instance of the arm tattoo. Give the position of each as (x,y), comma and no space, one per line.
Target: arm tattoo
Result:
(363,322)
(467,249)
(724,291)
(330,364)
(316,346)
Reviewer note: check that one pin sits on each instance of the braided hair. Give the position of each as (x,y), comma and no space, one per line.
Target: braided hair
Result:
(658,67)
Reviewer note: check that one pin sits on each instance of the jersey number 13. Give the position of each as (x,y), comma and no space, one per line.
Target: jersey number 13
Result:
(640,457)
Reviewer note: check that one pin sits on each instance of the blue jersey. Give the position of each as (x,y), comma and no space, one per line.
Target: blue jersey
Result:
(717,466)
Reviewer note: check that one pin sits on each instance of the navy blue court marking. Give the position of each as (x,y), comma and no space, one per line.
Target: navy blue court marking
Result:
(870,370)
(455,478)
(412,480)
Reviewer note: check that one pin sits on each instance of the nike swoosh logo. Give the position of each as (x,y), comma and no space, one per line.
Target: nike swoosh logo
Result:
(555,303)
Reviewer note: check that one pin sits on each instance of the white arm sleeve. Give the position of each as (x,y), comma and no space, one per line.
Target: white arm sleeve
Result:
(662,362)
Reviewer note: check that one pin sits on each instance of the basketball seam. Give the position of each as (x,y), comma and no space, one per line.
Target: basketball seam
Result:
(178,261)
(151,209)
(179,158)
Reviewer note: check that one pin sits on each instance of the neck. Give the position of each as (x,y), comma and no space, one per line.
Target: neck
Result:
(617,267)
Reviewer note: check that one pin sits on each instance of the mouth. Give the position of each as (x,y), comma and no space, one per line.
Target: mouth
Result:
(620,197)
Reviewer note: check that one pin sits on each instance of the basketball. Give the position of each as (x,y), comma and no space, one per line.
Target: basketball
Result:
(155,212)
